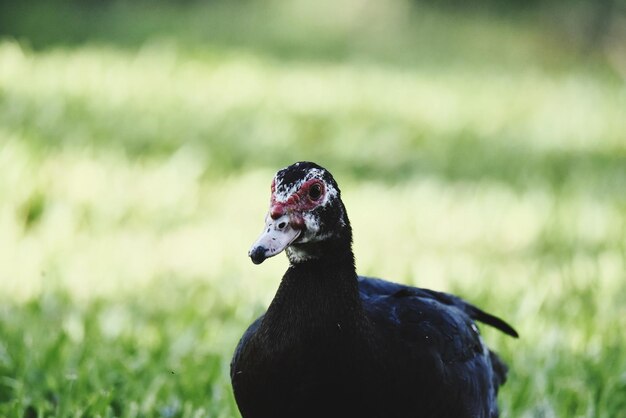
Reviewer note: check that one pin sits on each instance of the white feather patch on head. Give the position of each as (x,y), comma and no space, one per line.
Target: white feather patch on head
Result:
(312,223)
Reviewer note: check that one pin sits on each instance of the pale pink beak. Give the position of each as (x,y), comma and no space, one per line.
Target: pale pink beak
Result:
(277,235)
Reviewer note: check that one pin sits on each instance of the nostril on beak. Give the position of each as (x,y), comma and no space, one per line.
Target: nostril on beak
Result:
(282,225)
(257,255)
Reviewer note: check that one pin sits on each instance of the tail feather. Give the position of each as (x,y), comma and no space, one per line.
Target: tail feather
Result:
(494,321)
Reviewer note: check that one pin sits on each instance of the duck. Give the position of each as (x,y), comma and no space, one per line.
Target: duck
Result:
(335,344)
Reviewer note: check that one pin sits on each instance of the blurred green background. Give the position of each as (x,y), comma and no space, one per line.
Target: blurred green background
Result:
(138,140)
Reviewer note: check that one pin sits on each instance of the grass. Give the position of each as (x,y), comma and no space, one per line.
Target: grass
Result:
(136,156)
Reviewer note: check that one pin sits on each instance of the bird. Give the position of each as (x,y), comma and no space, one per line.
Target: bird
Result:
(335,344)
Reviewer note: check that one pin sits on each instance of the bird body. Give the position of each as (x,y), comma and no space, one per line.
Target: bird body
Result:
(334,344)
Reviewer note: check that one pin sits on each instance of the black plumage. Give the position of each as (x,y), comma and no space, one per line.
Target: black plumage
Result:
(334,344)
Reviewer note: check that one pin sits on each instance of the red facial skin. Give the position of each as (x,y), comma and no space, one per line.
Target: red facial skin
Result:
(296,204)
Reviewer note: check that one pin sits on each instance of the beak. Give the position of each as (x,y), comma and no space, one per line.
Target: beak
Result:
(276,236)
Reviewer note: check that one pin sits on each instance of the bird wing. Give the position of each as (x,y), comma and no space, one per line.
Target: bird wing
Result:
(440,342)
(372,287)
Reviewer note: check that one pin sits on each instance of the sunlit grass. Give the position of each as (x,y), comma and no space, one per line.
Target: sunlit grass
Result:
(159,99)
(132,182)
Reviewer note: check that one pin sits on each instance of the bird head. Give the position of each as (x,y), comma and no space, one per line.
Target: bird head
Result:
(305,208)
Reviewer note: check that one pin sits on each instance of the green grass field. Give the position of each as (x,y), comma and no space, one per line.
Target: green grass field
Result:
(478,154)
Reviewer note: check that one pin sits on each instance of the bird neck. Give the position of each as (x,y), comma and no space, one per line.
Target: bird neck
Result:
(318,294)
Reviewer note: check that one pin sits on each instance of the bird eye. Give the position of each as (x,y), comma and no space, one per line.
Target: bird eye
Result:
(315,191)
